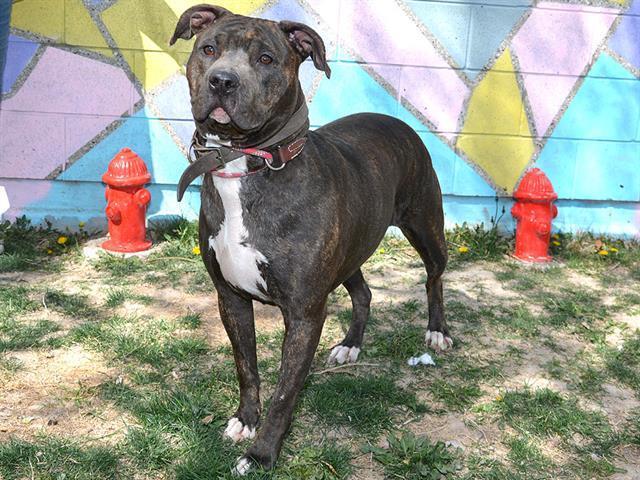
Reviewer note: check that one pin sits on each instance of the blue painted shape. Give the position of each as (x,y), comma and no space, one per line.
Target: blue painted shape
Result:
(590,117)
(19,54)
(558,161)
(626,39)
(608,171)
(449,23)
(174,101)
(145,136)
(456,176)
(490,25)
(581,167)
(610,218)
(350,90)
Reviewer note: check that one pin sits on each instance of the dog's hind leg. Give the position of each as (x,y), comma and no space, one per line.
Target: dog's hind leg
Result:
(349,349)
(236,313)
(426,235)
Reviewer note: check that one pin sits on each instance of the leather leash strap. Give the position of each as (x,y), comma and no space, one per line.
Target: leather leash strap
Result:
(211,159)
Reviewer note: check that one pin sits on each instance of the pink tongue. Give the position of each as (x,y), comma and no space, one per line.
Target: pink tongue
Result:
(220,116)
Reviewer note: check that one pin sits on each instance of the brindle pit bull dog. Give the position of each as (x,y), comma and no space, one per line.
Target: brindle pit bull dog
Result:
(290,234)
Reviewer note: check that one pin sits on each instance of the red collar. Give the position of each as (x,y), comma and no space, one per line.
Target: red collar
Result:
(274,161)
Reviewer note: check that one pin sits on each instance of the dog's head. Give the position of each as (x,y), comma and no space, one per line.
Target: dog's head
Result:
(243,72)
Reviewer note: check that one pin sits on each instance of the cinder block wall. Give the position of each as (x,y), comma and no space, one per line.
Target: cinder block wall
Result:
(492,86)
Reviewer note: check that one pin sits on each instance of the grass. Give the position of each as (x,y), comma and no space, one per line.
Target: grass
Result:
(175,386)
(364,404)
(57,459)
(412,458)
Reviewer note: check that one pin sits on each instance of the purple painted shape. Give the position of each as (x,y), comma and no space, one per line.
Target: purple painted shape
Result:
(626,39)
(438,93)
(66,83)
(61,87)
(553,47)
(19,54)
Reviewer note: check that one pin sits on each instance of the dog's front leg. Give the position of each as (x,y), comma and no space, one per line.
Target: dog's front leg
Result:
(303,328)
(237,316)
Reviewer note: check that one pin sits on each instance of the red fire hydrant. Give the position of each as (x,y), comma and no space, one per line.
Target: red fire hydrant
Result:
(127,202)
(534,211)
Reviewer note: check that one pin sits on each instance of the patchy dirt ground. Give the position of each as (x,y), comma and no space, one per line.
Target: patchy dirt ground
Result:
(113,364)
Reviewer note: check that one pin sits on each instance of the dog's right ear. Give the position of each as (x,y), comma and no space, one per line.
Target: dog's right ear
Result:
(196,19)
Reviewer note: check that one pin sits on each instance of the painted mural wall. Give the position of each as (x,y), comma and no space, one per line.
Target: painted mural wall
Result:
(492,86)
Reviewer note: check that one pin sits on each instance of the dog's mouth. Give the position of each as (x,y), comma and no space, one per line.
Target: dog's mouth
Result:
(220,115)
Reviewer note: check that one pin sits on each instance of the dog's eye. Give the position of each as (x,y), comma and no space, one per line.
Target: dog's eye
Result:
(209,51)
(265,59)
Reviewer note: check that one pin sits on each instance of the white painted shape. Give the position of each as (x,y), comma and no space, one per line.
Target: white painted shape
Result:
(238,260)
(4,201)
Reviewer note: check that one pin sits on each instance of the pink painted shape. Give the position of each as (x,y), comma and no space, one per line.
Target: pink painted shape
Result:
(437,93)
(31,145)
(63,82)
(61,87)
(22,193)
(553,47)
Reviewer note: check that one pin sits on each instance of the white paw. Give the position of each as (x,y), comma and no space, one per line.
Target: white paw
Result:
(237,431)
(243,466)
(342,354)
(438,341)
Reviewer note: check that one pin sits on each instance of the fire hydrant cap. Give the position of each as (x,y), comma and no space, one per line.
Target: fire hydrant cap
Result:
(126,170)
(535,186)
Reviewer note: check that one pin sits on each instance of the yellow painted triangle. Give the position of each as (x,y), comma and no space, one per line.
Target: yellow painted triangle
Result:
(43,17)
(496,134)
(60,20)
(151,65)
(81,30)
(142,29)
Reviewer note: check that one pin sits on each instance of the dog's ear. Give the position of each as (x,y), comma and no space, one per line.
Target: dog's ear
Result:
(196,19)
(306,41)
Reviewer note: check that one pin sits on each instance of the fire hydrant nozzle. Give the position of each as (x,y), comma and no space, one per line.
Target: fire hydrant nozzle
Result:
(127,202)
(534,211)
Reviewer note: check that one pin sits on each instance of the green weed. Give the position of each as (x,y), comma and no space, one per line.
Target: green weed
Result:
(411,458)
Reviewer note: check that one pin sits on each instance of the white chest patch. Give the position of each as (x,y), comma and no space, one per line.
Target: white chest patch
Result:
(238,260)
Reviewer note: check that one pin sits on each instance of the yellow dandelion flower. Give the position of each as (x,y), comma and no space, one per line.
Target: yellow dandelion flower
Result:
(62,240)
(604,253)
(463,249)
(381,251)
(196,250)
(613,250)
(556,243)
(81,224)
(49,251)
(499,398)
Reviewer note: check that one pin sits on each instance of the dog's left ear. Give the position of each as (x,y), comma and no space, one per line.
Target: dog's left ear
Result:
(196,19)
(306,41)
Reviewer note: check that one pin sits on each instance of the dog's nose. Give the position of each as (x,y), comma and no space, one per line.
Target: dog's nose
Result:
(224,82)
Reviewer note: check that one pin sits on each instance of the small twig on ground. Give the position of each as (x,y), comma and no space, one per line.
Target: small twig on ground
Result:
(185,259)
(44,303)
(339,367)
